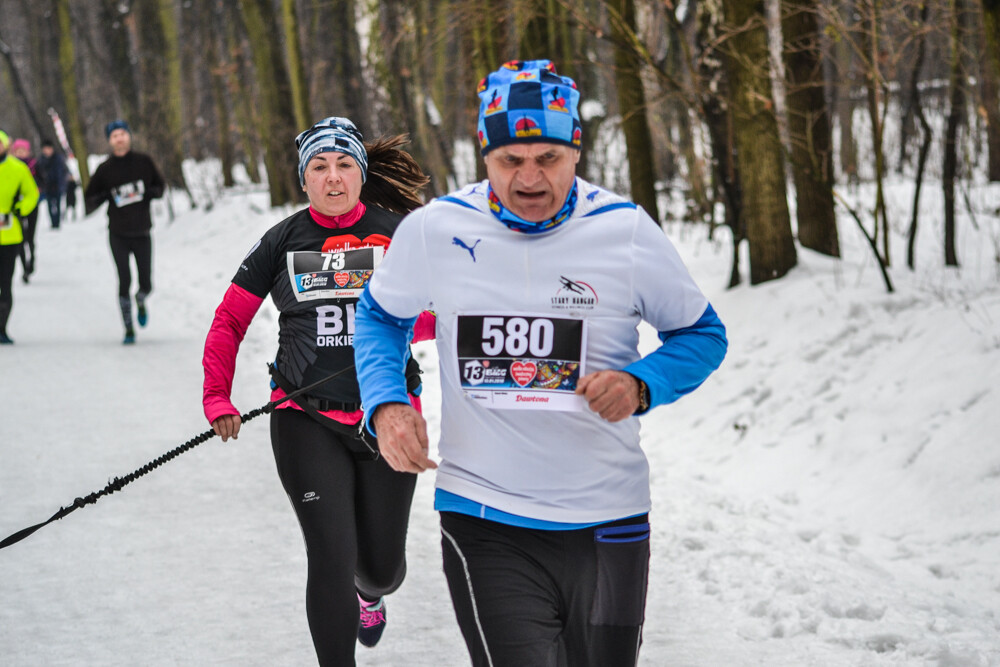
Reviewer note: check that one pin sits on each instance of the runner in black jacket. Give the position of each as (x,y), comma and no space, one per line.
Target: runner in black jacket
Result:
(128,181)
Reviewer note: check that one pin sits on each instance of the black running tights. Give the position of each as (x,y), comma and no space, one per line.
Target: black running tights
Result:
(353,516)
(142,248)
(29,224)
(8,258)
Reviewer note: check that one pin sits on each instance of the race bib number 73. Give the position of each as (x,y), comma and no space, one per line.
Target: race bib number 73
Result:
(521,361)
(332,275)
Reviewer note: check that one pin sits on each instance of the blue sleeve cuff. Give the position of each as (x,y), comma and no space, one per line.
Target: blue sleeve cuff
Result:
(381,350)
(685,359)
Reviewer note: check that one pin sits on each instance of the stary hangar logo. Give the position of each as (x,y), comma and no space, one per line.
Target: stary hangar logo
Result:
(574,295)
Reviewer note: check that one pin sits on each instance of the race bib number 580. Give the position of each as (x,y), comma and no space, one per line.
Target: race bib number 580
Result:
(521,361)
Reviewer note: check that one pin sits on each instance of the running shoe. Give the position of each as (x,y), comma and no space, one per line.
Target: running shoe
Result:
(129,338)
(141,315)
(5,339)
(372,621)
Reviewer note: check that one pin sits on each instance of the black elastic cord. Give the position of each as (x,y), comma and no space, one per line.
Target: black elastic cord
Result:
(118,483)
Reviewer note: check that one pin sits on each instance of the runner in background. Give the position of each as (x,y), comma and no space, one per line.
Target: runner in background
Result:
(54,173)
(18,198)
(128,181)
(21,149)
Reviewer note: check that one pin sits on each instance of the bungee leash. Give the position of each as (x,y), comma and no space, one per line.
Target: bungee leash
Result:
(118,483)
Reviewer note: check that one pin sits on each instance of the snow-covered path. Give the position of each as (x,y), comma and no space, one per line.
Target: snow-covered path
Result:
(830,497)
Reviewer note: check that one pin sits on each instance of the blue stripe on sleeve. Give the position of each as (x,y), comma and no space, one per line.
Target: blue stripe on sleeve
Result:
(684,360)
(381,349)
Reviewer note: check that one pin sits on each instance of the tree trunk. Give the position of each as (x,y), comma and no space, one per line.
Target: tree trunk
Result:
(436,145)
(160,124)
(956,113)
(632,105)
(67,62)
(809,128)
(991,76)
(357,96)
(874,82)
(917,107)
(18,86)
(715,110)
(727,176)
(238,87)
(41,69)
(215,37)
(174,102)
(758,145)
(122,68)
(296,74)
(490,44)
(844,87)
(276,127)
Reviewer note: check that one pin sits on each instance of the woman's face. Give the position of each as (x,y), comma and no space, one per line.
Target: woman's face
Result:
(333,183)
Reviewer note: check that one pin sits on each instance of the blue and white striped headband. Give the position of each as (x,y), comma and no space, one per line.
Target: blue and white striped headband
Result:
(333,134)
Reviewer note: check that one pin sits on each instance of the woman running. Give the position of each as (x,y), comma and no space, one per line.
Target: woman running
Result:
(352,507)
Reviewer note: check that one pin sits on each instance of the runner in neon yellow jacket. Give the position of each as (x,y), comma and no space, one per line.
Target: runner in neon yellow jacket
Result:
(18,198)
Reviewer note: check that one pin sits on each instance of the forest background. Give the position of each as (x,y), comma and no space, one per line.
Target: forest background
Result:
(750,110)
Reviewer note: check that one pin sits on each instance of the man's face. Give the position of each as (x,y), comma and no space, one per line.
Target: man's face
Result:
(532,180)
(120,141)
(47,151)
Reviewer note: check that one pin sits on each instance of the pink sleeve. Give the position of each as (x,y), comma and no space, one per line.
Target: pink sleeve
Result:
(232,318)
(424,327)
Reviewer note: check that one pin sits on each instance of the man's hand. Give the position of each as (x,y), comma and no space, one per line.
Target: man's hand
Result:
(612,394)
(402,437)
(227,426)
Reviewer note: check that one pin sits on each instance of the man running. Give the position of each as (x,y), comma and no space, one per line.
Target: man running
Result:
(128,181)
(539,280)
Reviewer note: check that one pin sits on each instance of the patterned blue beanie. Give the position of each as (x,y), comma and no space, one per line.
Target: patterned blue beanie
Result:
(525,101)
(333,134)
(118,124)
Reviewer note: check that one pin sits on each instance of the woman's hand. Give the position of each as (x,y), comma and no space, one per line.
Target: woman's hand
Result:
(227,426)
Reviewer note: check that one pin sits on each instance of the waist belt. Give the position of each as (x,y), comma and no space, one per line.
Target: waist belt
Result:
(354,440)
(325,405)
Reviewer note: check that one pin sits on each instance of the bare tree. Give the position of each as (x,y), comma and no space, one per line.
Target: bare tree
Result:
(296,73)
(18,85)
(991,73)
(632,105)
(67,62)
(845,73)
(210,16)
(276,126)
(758,146)
(239,85)
(878,89)
(916,105)
(160,98)
(955,119)
(116,17)
(809,127)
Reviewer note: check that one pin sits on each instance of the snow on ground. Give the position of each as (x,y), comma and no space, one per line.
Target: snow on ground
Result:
(831,496)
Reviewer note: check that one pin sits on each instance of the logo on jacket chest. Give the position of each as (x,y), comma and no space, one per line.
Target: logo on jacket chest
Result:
(574,295)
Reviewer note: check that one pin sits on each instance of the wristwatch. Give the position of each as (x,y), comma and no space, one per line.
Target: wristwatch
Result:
(643,396)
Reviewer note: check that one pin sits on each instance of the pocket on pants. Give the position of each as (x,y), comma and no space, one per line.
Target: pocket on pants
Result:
(622,574)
